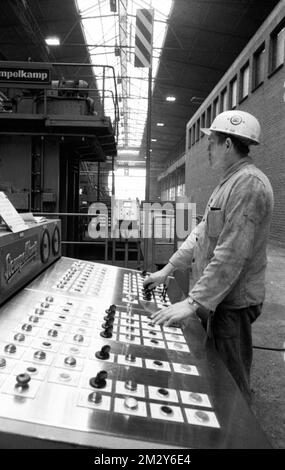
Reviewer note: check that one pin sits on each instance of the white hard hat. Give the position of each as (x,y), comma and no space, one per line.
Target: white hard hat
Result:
(236,123)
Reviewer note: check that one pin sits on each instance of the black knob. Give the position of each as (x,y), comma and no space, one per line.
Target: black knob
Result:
(104,353)
(158,363)
(148,289)
(108,323)
(100,380)
(111,309)
(154,341)
(166,410)
(107,333)
(110,316)
(147,297)
(23,380)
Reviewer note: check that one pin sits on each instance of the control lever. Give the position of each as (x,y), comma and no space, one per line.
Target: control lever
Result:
(164,292)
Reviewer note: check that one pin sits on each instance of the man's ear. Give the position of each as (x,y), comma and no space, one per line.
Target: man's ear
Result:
(228,143)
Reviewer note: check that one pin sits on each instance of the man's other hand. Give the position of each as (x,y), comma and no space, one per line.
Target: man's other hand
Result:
(174,313)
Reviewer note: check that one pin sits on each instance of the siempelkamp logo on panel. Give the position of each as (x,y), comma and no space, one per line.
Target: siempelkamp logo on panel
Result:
(15,265)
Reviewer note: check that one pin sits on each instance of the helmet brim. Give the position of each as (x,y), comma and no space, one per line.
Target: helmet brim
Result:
(205,130)
(244,139)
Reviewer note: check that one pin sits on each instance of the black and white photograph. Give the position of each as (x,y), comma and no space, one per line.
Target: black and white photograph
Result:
(142,231)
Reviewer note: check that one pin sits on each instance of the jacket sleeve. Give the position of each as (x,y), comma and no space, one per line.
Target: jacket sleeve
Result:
(182,258)
(245,210)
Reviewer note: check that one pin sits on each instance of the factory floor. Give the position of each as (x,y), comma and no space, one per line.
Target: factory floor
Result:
(268,371)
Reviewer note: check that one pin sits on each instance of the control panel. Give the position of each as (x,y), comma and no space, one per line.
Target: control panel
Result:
(81,362)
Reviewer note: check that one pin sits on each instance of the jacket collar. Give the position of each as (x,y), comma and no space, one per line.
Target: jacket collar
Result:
(235,167)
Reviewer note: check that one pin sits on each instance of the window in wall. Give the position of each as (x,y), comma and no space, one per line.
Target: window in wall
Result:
(208,117)
(203,123)
(215,107)
(224,99)
(193,133)
(189,138)
(181,181)
(233,93)
(164,190)
(277,48)
(197,130)
(258,67)
(172,188)
(244,82)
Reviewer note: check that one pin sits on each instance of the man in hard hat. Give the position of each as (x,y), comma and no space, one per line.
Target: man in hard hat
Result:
(227,250)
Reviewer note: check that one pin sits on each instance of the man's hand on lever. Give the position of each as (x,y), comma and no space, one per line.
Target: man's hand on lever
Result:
(174,313)
(159,277)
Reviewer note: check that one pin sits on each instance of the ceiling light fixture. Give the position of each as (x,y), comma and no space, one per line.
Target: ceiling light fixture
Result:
(160,124)
(52,41)
(170,98)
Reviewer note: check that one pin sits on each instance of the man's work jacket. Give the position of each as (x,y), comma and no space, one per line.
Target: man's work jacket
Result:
(227,249)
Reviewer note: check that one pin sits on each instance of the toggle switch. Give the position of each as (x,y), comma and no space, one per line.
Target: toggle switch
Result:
(130,357)
(95,397)
(131,385)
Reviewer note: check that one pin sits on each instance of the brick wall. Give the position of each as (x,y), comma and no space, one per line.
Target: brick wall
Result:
(267,103)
